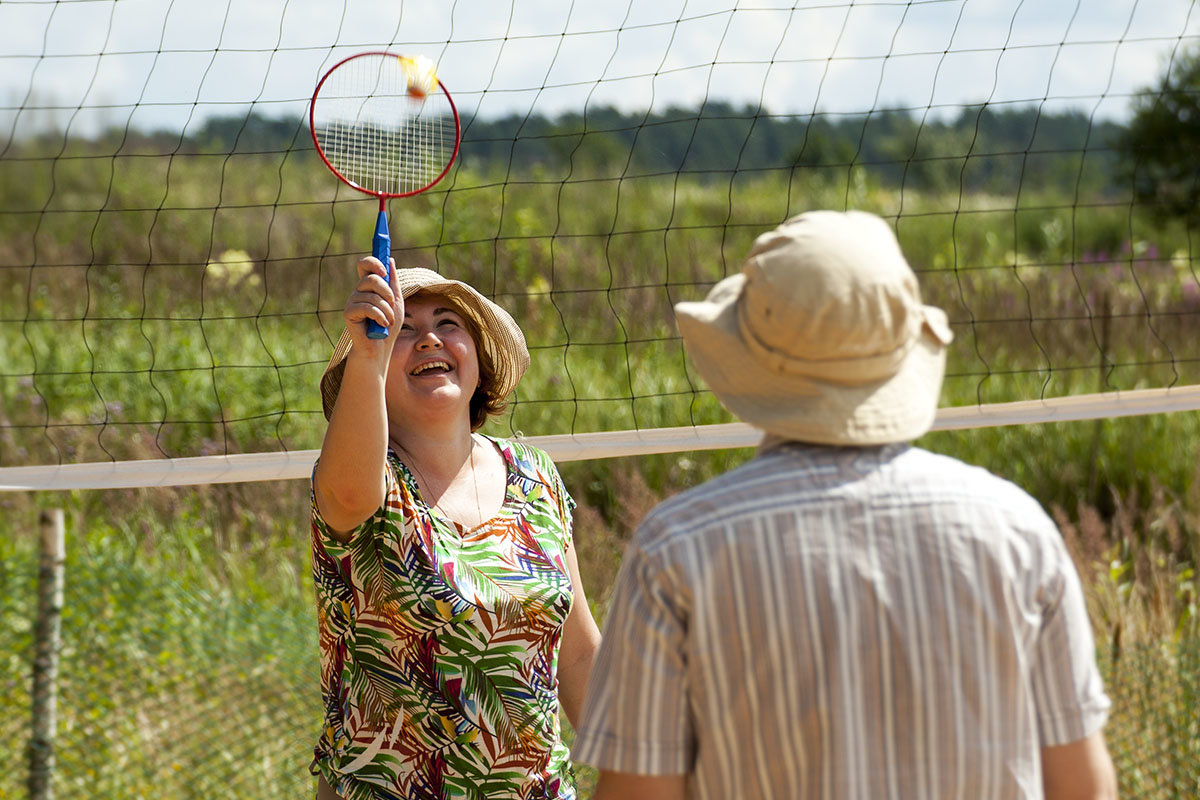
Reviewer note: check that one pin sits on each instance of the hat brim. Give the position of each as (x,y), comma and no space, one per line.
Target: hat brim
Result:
(899,408)
(500,337)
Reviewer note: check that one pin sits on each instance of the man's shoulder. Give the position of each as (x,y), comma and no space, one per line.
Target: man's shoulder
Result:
(759,486)
(798,477)
(933,474)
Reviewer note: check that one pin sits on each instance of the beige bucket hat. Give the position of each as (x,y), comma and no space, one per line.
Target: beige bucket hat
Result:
(822,337)
(500,336)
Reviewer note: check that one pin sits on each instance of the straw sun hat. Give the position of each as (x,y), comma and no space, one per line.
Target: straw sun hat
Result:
(822,336)
(498,335)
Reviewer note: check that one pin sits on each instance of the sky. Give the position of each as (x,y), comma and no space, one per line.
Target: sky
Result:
(87,65)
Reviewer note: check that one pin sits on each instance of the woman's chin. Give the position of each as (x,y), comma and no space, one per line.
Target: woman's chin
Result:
(447,398)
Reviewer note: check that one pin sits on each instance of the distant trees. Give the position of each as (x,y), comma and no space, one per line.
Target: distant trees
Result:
(982,148)
(1161,145)
(251,133)
(996,149)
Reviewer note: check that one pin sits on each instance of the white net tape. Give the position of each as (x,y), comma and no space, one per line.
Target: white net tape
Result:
(577,447)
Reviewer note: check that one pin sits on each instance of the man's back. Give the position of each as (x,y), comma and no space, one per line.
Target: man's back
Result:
(847,623)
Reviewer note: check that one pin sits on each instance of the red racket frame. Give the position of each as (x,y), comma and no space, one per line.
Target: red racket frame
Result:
(383,196)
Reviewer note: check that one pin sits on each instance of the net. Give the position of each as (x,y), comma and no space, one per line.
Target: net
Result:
(175,257)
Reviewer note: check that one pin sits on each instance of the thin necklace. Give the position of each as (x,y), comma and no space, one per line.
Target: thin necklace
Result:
(444,513)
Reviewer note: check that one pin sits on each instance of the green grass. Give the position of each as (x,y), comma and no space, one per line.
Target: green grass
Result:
(185,305)
(189,665)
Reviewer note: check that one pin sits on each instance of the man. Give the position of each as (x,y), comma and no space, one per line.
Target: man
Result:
(845,616)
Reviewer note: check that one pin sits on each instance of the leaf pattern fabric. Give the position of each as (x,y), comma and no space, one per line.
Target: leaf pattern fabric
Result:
(439,645)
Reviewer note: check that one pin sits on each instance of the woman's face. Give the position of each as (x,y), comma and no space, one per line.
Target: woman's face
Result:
(435,365)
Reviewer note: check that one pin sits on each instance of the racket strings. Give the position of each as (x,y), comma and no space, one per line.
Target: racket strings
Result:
(378,137)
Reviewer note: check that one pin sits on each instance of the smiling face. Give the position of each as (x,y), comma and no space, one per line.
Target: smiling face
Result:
(435,364)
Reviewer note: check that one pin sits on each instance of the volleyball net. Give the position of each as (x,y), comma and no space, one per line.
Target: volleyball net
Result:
(174,258)
(174,261)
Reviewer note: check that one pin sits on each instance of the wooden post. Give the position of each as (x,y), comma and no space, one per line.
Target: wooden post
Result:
(45,655)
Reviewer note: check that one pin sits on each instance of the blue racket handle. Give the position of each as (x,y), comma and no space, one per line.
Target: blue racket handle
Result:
(381,248)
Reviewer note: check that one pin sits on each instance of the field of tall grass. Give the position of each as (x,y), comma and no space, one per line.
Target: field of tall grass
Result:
(189,664)
(156,304)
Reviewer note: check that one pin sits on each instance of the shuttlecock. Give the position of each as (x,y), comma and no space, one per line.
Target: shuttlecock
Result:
(421,73)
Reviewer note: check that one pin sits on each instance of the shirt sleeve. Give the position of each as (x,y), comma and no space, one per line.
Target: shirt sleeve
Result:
(321,529)
(546,472)
(566,508)
(636,715)
(1067,687)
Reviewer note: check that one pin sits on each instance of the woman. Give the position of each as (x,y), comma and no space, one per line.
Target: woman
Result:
(442,558)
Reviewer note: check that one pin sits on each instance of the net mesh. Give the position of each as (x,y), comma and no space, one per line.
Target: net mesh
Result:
(175,256)
(174,259)
(212,690)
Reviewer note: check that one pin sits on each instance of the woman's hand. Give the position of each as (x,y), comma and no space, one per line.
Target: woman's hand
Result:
(374,298)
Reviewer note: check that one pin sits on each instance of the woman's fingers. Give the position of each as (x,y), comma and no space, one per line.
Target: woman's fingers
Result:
(376,296)
(364,305)
(375,284)
(370,264)
(372,277)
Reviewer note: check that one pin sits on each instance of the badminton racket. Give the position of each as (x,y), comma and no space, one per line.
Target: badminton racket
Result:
(386,126)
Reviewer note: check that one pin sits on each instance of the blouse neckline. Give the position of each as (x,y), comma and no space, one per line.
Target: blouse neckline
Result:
(423,506)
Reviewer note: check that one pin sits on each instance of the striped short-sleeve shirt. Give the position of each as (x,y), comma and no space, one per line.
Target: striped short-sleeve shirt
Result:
(845,623)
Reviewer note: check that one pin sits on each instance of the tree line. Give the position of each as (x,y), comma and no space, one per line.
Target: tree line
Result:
(983,148)
(1154,157)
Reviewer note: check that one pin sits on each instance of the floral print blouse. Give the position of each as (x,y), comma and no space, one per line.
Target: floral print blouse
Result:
(439,645)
